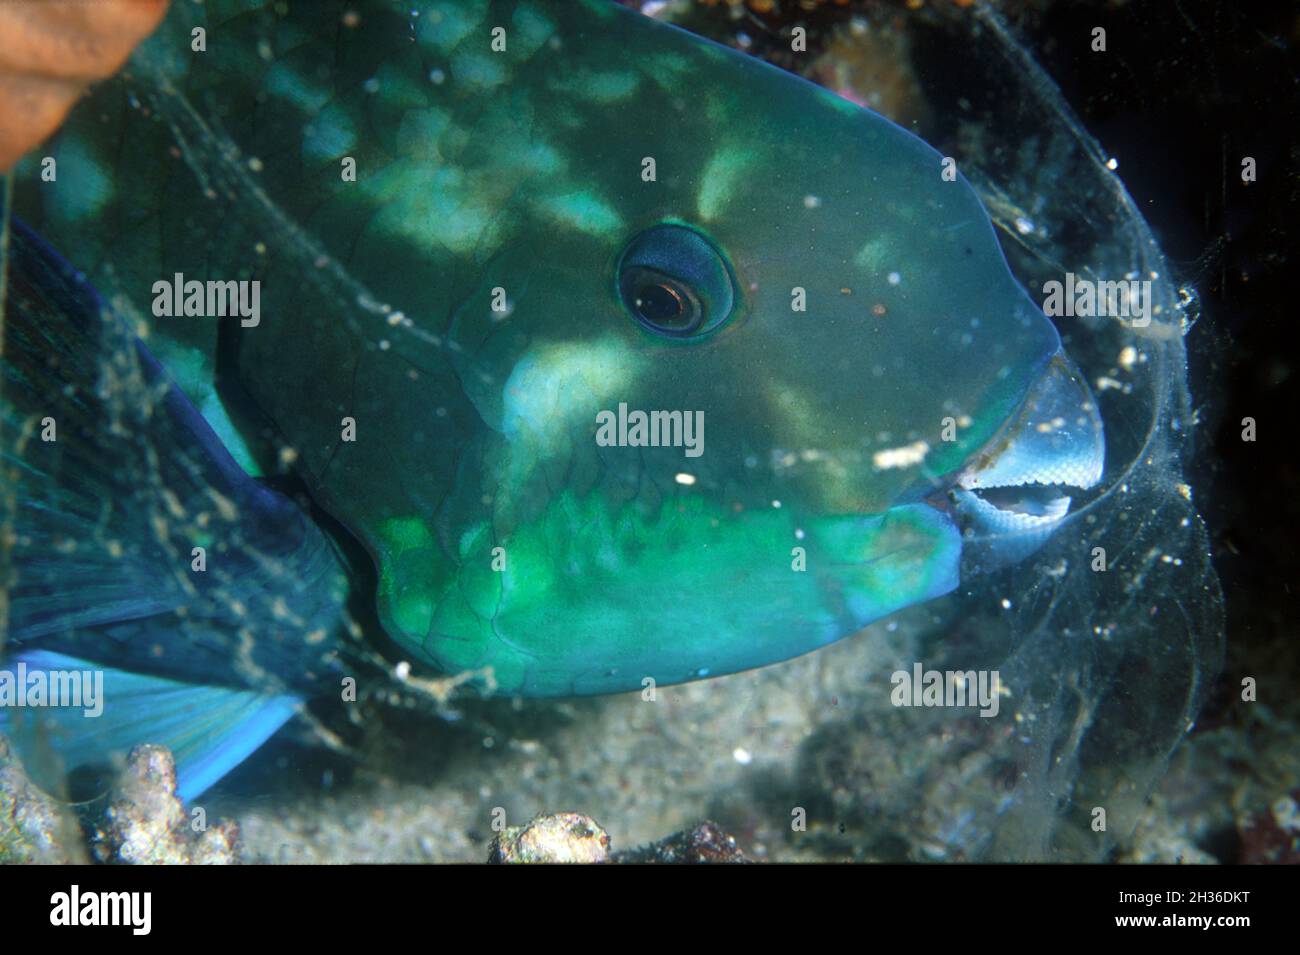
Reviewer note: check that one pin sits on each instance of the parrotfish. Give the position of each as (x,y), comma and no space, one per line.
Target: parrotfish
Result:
(587,353)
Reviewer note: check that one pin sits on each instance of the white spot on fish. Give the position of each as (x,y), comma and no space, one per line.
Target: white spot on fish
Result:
(482,70)
(532,28)
(448,22)
(902,457)
(552,386)
(581,210)
(596,86)
(718,183)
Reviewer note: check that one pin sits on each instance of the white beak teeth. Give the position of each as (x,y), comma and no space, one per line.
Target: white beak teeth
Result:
(1055,441)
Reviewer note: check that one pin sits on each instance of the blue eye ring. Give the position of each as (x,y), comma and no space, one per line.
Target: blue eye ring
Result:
(675,283)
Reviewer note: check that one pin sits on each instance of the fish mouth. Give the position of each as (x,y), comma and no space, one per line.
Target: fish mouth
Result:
(1020,486)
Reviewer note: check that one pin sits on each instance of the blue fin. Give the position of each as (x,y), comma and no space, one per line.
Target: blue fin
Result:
(109,481)
(113,478)
(209,730)
(117,475)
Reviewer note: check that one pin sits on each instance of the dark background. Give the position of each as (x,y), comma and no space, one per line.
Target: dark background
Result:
(1191,88)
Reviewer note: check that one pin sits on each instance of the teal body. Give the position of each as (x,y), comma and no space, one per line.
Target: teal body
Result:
(482,230)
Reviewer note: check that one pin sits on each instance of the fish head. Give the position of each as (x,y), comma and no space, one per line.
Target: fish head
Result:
(739,363)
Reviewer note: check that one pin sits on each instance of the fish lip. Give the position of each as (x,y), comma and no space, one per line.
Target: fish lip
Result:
(1052,448)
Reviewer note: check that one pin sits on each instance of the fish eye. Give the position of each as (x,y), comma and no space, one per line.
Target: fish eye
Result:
(660,302)
(674,282)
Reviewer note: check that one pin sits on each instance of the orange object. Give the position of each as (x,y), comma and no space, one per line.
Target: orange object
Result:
(50,53)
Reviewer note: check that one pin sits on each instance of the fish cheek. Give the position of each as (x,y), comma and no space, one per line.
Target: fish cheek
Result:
(389,445)
(874,566)
(441,610)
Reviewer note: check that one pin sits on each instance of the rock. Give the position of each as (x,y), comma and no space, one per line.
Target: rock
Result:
(560,837)
(573,837)
(705,842)
(34,828)
(146,823)
(1272,837)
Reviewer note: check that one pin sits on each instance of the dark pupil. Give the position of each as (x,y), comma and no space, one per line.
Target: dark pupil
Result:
(661,304)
